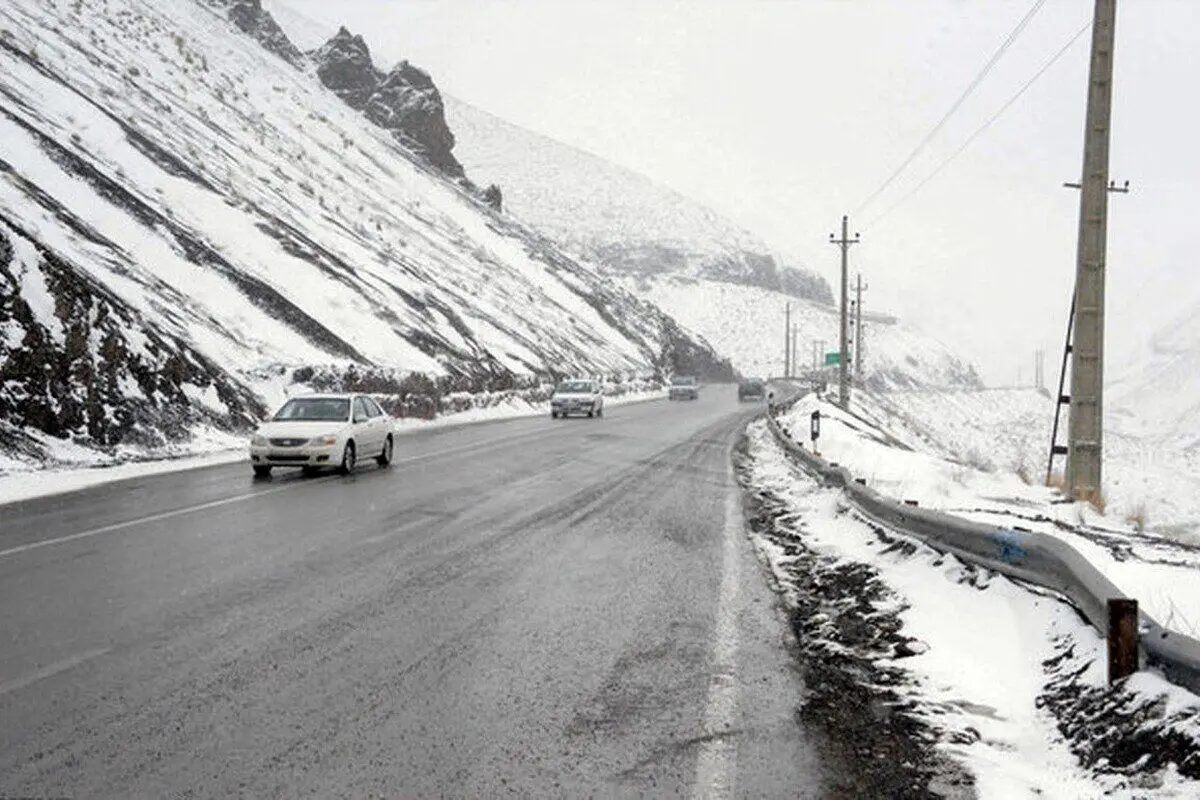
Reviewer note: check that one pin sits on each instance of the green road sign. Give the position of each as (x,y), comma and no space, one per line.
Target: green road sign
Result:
(833,358)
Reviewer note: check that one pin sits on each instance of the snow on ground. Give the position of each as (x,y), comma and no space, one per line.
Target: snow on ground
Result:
(964,453)
(981,687)
(746,324)
(23,481)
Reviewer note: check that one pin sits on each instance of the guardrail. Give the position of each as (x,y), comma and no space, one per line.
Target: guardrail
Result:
(1035,558)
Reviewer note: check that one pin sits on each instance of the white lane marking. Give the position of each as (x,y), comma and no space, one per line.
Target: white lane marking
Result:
(52,669)
(118,526)
(716,763)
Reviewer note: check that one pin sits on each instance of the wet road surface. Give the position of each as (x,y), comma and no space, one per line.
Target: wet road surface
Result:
(530,608)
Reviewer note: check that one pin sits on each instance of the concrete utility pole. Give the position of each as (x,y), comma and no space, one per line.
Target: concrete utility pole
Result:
(859,339)
(787,341)
(795,356)
(843,356)
(1085,442)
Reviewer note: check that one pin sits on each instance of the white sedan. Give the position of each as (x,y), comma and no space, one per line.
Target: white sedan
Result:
(323,430)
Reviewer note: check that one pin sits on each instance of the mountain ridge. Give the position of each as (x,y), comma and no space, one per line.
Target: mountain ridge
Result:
(614,216)
(222,220)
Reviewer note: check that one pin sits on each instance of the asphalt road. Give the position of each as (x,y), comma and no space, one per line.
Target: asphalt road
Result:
(529,608)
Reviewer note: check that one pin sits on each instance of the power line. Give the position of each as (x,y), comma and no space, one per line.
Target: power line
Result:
(979,131)
(983,73)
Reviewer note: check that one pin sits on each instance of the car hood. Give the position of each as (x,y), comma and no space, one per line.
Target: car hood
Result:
(574,395)
(307,429)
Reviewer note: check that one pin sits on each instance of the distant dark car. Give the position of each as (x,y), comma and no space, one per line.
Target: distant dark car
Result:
(752,389)
(684,387)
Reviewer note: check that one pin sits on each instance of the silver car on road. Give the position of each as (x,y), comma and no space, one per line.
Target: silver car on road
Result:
(578,396)
(323,430)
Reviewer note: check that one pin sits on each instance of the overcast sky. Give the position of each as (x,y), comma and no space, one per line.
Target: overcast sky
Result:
(784,115)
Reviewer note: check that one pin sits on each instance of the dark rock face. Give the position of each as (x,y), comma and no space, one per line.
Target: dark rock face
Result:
(78,363)
(250,18)
(804,284)
(408,104)
(344,66)
(404,101)
(743,268)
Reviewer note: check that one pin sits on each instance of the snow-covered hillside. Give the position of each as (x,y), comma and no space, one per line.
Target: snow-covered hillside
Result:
(185,209)
(1155,392)
(613,215)
(747,323)
(712,276)
(1147,483)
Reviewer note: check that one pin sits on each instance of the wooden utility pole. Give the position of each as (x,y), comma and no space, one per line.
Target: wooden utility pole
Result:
(844,354)
(1085,442)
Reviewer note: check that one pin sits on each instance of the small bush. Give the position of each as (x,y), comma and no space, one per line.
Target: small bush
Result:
(1024,471)
(1137,517)
(1094,497)
(976,459)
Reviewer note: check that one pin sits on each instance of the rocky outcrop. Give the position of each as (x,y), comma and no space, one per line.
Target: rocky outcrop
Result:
(78,364)
(658,259)
(250,17)
(806,285)
(404,101)
(407,103)
(344,66)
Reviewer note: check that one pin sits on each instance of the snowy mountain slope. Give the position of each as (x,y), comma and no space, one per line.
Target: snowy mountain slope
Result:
(613,215)
(1155,392)
(236,215)
(747,323)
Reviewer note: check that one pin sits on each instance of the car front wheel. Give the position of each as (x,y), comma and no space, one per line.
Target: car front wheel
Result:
(262,471)
(385,458)
(348,459)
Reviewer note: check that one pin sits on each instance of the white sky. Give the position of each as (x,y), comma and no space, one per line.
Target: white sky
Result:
(785,114)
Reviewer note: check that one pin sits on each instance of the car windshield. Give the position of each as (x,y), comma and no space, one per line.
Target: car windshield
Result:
(575,387)
(685,380)
(315,409)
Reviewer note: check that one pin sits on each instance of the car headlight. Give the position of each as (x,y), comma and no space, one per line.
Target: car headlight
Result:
(258,441)
(323,441)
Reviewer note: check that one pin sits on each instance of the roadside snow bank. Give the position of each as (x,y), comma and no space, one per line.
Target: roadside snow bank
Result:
(962,463)
(972,657)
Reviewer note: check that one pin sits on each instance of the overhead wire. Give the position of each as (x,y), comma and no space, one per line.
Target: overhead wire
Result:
(982,128)
(962,98)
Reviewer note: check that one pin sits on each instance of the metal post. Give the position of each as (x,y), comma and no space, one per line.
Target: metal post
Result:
(843,353)
(1086,427)
(1060,399)
(1122,638)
